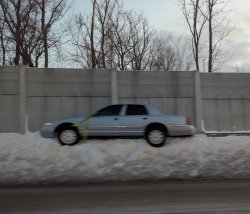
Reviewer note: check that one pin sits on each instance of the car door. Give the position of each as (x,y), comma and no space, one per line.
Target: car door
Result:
(105,122)
(134,121)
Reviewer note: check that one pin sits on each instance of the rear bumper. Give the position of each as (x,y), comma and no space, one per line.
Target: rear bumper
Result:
(181,130)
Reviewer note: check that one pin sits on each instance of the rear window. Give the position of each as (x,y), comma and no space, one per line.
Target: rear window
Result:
(136,110)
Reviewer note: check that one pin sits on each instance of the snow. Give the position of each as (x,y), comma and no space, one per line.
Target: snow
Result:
(31,159)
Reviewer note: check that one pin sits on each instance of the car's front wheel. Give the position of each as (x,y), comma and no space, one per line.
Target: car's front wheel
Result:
(156,137)
(68,136)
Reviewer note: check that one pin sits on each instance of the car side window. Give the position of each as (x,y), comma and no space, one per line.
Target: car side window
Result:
(113,110)
(136,110)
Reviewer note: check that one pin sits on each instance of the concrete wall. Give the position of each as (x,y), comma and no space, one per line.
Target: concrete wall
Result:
(226,101)
(222,100)
(59,93)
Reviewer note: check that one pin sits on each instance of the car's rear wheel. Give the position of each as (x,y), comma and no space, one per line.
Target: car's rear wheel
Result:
(68,135)
(156,137)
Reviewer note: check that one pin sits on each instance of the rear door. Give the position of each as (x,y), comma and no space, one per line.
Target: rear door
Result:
(134,121)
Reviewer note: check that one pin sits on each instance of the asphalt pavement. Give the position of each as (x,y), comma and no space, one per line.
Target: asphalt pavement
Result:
(175,197)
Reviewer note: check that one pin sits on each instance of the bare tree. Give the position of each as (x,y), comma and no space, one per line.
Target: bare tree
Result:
(28,25)
(120,38)
(170,52)
(16,15)
(199,12)
(218,30)
(142,34)
(93,56)
(183,52)
(162,54)
(131,36)
(196,20)
(51,11)
(239,68)
(90,35)
(105,12)
(4,43)
(80,34)
(116,38)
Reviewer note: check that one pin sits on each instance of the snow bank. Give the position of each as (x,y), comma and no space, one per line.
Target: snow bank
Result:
(30,159)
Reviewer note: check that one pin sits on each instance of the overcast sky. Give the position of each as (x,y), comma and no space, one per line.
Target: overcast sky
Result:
(165,15)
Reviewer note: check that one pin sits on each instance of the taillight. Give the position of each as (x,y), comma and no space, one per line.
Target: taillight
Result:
(188,121)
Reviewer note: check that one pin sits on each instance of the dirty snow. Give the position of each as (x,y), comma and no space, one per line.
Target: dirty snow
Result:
(31,159)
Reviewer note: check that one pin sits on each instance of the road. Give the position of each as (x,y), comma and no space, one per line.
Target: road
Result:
(175,197)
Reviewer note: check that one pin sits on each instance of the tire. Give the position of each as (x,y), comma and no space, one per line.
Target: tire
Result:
(68,135)
(156,137)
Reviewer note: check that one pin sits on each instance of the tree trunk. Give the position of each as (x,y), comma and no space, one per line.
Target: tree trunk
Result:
(45,36)
(210,57)
(93,58)
(18,34)
(210,32)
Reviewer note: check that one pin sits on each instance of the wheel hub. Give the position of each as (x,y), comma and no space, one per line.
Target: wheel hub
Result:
(68,136)
(156,137)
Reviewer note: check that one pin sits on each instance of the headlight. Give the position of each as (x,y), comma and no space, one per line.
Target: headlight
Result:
(48,124)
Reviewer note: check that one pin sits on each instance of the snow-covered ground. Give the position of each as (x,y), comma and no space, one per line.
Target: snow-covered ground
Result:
(31,159)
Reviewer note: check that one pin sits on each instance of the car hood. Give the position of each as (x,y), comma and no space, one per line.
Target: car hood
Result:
(68,120)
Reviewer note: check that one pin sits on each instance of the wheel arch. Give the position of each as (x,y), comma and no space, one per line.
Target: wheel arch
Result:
(61,126)
(156,125)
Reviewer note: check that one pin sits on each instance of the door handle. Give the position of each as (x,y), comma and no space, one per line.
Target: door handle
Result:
(144,118)
(116,118)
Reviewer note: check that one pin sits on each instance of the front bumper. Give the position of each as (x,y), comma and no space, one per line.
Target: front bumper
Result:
(47,131)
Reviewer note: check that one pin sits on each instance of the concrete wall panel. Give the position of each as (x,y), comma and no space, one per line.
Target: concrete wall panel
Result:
(9,89)
(9,113)
(226,101)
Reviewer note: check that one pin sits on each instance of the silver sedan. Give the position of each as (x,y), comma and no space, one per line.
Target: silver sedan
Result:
(121,120)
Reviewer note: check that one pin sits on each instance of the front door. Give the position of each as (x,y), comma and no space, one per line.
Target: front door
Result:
(105,122)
